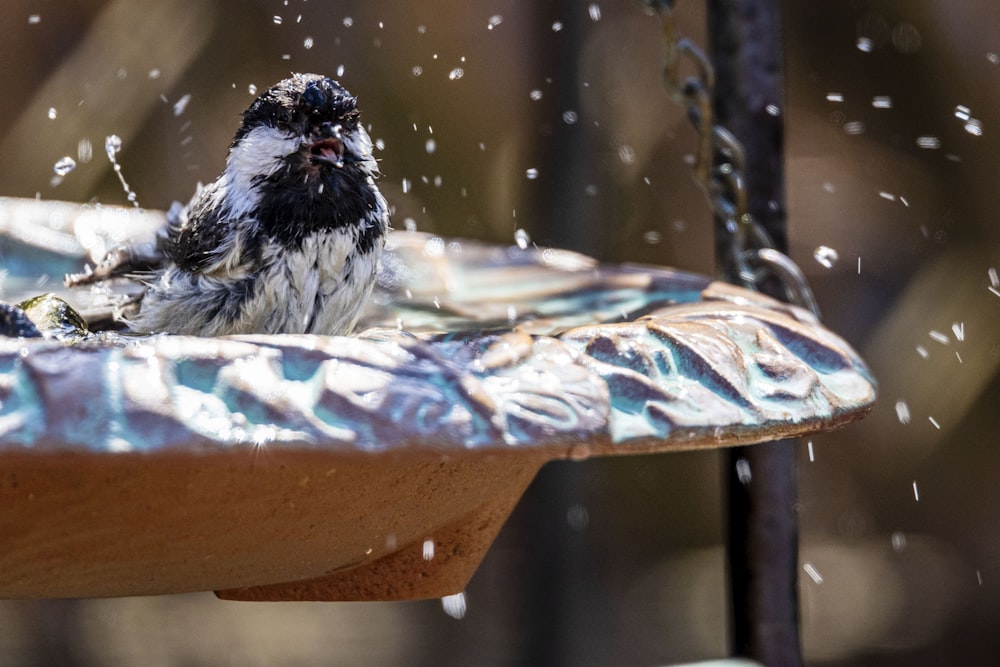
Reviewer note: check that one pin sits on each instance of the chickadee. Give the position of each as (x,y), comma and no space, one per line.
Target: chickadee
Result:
(286,240)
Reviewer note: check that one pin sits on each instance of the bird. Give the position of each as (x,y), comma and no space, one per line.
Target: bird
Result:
(287,239)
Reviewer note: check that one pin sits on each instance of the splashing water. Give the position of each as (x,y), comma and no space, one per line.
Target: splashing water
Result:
(743,471)
(454,605)
(64,165)
(826,256)
(112,145)
(928,142)
(522,239)
(903,412)
(181,104)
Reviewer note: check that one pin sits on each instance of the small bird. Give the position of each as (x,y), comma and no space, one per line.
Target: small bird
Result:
(288,238)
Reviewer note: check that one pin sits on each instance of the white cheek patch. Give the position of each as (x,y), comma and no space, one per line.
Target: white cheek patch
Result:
(260,153)
(360,144)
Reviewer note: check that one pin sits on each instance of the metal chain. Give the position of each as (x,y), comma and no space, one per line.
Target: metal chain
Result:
(719,169)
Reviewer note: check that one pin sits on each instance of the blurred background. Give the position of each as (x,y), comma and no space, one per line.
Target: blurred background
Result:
(550,117)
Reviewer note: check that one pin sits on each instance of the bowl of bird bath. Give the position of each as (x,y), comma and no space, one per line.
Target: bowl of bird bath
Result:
(376,466)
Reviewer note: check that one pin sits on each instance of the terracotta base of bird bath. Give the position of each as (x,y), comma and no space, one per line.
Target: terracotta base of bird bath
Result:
(259,525)
(377,467)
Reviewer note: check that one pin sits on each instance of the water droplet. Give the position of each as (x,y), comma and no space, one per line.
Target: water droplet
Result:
(854,127)
(652,237)
(743,471)
(557,26)
(963,112)
(308,43)
(407,185)
(52,113)
(421,29)
(430,146)
(898,541)
(494,21)
(522,239)
(154,73)
(531,173)
(34,19)
(535,94)
(939,337)
(252,89)
(595,12)
(834,97)
(511,314)
(348,21)
(865,44)
(958,329)
(773,110)
(428,549)
(916,493)
(410,224)
(928,142)
(112,144)
(181,104)
(974,126)
(454,606)
(64,165)
(84,150)
(340,71)
(456,74)
(626,154)
(994,58)
(882,102)
(826,256)
(813,573)
(902,412)
(570,117)
(417,70)
(277,20)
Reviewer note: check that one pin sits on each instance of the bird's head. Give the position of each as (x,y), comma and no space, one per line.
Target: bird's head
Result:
(301,146)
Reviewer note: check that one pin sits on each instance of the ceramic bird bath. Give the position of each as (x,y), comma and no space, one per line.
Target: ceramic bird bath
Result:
(379,466)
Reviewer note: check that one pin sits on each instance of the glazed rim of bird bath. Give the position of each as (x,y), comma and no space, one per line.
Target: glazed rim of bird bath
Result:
(378,466)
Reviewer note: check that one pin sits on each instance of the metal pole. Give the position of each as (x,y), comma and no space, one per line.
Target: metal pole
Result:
(762,540)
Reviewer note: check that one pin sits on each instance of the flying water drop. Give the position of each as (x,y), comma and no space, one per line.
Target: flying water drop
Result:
(903,412)
(64,165)
(826,256)
(454,605)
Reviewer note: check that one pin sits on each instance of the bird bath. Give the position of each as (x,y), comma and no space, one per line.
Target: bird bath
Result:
(379,466)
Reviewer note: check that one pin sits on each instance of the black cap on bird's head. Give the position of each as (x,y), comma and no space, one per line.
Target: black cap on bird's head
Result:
(311,106)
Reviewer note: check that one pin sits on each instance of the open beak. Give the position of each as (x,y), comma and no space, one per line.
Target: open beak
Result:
(329,150)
